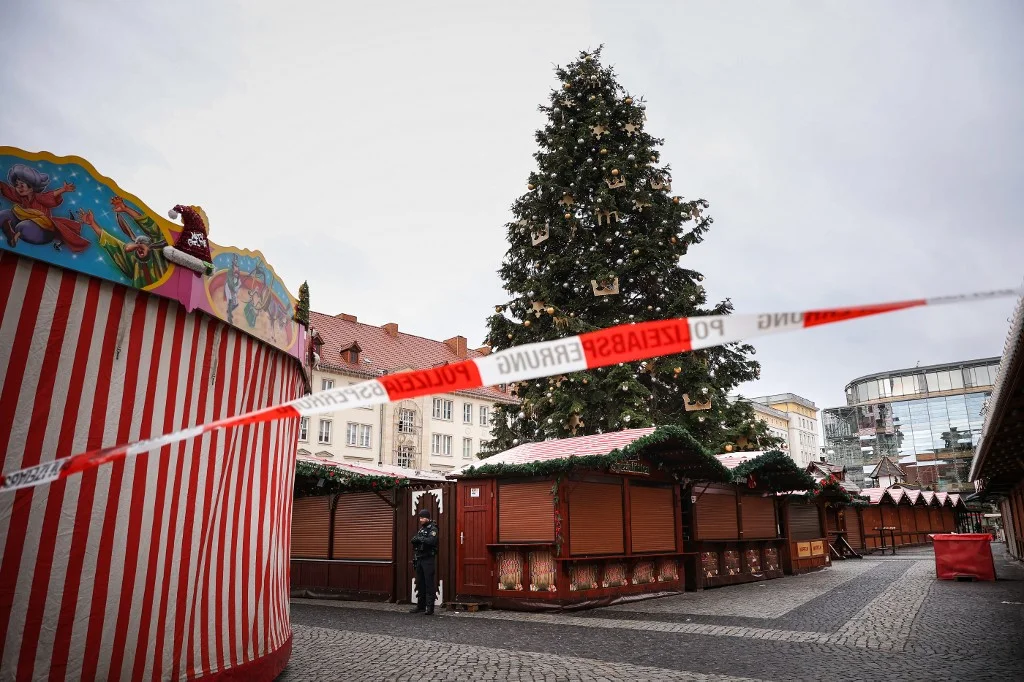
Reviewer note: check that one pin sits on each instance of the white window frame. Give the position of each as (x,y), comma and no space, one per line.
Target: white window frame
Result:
(467,448)
(406,420)
(358,435)
(442,409)
(406,452)
(320,432)
(485,415)
(303,429)
(467,413)
(326,384)
(441,444)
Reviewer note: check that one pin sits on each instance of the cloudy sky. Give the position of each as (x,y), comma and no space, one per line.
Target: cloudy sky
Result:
(851,152)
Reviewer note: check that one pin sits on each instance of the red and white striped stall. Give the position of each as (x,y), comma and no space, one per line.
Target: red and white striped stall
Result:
(169,565)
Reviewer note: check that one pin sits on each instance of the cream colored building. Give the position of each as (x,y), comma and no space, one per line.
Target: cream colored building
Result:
(434,433)
(803,428)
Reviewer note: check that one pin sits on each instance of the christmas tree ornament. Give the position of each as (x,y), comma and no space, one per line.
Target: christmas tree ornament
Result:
(550,310)
(530,187)
(603,151)
(566,200)
(661,183)
(630,129)
(628,100)
(675,200)
(567,86)
(728,447)
(615,171)
(526,323)
(631,157)
(606,217)
(605,287)
(695,406)
(598,130)
(615,183)
(540,234)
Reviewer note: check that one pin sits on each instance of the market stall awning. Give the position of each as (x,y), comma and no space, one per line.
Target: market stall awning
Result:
(774,471)
(672,448)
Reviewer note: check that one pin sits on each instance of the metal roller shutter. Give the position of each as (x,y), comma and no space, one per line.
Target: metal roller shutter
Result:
(758,517)
(311,527)
(935,516)
(526,512)
(853,528)
(890,517)
(716,515)
(652,519)
(364,527)
(948,522)
(804,523)
(908,521)
(596,519)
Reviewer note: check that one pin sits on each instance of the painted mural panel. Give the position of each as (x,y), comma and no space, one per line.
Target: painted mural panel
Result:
(62,211)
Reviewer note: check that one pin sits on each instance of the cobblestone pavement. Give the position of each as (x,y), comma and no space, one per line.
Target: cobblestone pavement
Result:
(880,618)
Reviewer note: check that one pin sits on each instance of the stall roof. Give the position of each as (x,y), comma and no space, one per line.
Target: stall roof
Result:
(775,471)
(374,470)
(671,446)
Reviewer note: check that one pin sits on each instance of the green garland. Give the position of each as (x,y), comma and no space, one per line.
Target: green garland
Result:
(661,447)
(313,479)
(774,471)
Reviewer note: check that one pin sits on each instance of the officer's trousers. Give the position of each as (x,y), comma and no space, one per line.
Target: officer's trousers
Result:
(425,585)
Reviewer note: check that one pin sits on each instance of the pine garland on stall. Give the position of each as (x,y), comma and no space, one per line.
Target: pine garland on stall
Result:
(312,479)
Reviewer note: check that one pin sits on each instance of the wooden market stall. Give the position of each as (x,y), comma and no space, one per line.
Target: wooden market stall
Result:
(353,541)
(580,521)
(908,516)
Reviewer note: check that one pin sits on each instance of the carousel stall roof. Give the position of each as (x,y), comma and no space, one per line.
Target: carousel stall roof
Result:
(672,447)
(999,460)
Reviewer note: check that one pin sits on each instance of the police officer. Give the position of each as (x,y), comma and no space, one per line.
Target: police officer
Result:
(424,551)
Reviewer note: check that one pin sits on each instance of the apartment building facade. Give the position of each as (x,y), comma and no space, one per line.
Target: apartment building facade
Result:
(433,433)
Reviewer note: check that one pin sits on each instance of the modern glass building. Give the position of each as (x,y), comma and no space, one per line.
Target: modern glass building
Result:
(926,418)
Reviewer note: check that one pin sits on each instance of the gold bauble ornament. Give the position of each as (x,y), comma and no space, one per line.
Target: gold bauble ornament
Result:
(628,100)
(674,240)
(550,310)
(530,186)
(675,200)
(498,308)
(636,252)
(510,336)
(586,58)
(526,323)
(677,370)
(567,85)
(568,216)
(603,150)
(615,171)
(728,448)
(585,380)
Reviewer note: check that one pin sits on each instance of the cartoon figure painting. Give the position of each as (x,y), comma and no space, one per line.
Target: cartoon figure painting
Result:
(140,258)
(30,218)
(242,279)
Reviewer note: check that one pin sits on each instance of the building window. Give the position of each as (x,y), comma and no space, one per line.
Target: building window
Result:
(326,384)
(406,420)
(359,435)
(404,456)
(467,448)
(324,437)
(441,444)
(443,409)
(467,413)
(304,429)
(485,416)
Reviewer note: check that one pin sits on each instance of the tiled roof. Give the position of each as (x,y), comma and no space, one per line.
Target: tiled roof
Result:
(874,495)
(382,352)
(598,444)
(929,496)
(913,495)
(375,470)
(941,498)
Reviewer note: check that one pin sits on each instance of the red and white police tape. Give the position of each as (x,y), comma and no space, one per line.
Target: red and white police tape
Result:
(622,343)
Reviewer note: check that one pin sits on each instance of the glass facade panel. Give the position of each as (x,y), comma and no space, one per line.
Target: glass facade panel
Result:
(902,416)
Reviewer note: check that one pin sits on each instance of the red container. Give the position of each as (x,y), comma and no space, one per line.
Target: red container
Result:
(964,556)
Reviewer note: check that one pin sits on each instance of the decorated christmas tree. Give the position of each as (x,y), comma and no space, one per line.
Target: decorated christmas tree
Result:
(601,238)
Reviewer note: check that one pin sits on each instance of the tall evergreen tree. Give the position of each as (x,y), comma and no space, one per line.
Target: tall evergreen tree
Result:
(599,239)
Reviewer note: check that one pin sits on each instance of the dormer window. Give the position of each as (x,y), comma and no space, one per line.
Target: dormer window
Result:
(350,353)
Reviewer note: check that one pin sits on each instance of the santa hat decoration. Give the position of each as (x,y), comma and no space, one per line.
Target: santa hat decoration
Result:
(191,249)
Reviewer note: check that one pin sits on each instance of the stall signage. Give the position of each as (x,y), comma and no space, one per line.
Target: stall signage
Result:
(474,492)
(817,548)
(803,550)
(632,465)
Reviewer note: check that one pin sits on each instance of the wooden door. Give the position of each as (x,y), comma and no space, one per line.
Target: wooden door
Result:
(475,528)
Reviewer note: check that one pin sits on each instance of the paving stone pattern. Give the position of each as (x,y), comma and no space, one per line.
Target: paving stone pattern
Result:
(877,619)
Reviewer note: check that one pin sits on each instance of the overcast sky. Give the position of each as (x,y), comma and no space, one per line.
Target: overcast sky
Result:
(851,152)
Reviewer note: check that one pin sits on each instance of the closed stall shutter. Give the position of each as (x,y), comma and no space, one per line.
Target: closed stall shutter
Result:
(652,519)
(595,518)
(716,515)
(758,517)
(948,523)
(853,528)
(935,517)
(908,522)
(890,517)
(871,519)
(924,524)
(311,527)
(804,523)
(526,512)
(364,527)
